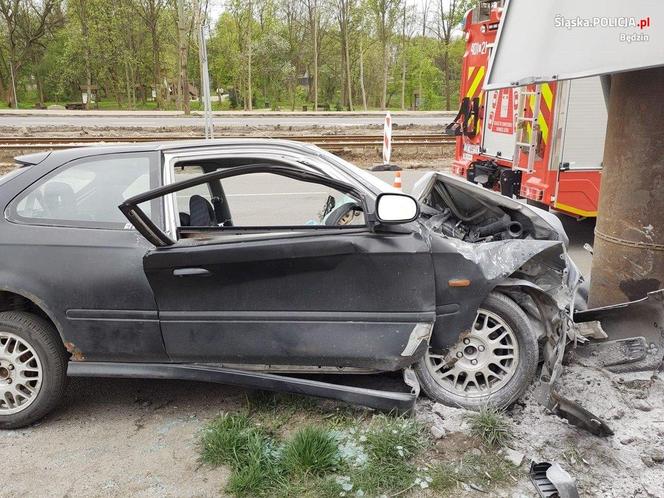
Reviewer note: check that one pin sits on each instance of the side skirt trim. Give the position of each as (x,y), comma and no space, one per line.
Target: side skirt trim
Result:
(402,403)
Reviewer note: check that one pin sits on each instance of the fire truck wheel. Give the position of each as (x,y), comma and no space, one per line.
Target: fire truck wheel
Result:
(492,364)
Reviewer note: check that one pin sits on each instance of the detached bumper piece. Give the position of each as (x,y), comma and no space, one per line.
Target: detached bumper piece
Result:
(635,331)
(552,481)
(402,403)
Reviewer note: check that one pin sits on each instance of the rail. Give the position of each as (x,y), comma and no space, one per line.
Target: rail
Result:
(329,142)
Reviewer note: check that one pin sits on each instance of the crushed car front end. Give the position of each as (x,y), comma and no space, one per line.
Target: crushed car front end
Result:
(486,246)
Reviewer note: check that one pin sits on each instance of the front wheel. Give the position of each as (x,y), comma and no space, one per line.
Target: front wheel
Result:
(33,369)
(492,364)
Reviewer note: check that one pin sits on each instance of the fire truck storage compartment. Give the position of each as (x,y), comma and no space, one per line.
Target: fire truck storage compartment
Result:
(498,132)
(584,124)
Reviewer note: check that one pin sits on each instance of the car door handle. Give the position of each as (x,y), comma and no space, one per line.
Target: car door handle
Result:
(191,272)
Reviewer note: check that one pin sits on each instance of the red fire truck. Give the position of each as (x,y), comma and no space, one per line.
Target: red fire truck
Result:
(541,142)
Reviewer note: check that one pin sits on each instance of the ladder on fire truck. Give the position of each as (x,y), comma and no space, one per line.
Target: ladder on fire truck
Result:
(529,145)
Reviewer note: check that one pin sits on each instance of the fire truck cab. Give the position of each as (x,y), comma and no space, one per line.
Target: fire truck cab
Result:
(540,142)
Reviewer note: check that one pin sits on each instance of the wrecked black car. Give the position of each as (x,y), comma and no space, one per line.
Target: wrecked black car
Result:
(250,261)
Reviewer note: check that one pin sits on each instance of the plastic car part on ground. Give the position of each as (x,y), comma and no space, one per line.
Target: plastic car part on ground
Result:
(552,481)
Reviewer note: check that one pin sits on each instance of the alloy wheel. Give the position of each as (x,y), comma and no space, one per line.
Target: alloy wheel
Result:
(481,362)
(21,374)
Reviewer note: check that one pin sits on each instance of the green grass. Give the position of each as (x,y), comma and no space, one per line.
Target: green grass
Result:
(491,427)
(312,450)
(480,471)
(283,446)
(325,460)
(235,441)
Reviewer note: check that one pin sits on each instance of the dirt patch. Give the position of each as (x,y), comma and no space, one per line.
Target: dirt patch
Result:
(118,438)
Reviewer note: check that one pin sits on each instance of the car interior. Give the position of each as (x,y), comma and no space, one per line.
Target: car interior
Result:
(208,207)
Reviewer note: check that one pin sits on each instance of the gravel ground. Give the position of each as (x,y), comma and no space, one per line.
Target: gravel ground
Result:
(118,438)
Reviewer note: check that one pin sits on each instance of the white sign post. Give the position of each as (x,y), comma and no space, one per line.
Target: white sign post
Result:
(387,139)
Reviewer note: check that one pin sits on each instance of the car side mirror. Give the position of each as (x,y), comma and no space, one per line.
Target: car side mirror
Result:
(394,208)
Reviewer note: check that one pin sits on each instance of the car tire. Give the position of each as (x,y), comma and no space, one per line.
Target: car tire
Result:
(488,384)
(33,369)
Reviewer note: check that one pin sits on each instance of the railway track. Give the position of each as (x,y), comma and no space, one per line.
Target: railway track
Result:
(329,142)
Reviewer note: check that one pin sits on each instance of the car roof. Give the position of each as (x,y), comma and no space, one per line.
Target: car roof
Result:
(66,155)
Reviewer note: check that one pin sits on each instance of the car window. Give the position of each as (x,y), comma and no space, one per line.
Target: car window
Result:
(266,199)
(86,193)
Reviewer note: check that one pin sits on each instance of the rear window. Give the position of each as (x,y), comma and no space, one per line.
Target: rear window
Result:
(86,193)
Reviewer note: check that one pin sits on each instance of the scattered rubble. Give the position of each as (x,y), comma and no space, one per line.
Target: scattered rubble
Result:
(514,457)
(438,432)
(630,463)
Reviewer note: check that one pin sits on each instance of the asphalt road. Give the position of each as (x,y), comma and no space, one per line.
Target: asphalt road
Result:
(283,121)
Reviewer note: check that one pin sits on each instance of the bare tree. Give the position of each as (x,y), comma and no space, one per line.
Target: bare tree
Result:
(26,22)
(403,55)
(426,4)
(449,15)
(344,11)
(313,18)
(150,11)
(385,13)
(243,14)
(293,16)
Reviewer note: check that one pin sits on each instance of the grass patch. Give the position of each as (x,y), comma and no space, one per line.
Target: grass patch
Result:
(391,446)
(491,427)
(284,446)
(235,441)
(329,459)
(312,450)
(480,472)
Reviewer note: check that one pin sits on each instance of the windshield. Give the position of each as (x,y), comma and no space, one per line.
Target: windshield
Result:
(13,173)
(368,180)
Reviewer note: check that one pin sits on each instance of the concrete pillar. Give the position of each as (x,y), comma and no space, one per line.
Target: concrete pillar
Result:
(628,257)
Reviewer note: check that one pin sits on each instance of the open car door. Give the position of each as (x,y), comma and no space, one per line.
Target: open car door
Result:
(289,297)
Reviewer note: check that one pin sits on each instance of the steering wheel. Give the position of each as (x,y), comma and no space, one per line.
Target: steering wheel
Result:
(343,214)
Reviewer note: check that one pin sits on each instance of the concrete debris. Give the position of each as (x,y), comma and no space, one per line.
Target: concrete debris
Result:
(642,405)
(513,456)
(657,455)
(627,440)
(438,432)
(454,419)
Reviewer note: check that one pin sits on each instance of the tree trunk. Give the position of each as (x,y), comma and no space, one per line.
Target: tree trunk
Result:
(40,88)
(348,77)
(383,96)
(315,31)
(88,79)
(83,19)
(249,105)
(448,80)
(127,84)
(403,60)
(156,69)
(403,84)
(364,93)
(183,53)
